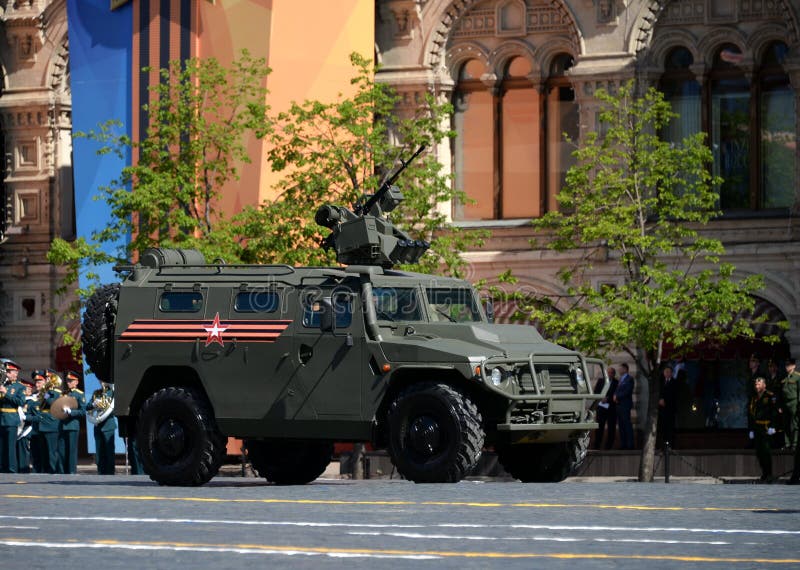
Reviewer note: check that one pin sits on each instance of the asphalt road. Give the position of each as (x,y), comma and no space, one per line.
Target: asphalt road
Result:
(88,521)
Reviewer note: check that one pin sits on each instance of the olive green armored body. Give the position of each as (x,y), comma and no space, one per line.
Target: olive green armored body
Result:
(292,359)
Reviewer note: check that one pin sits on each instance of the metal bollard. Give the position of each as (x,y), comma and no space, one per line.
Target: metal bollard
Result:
(666,462)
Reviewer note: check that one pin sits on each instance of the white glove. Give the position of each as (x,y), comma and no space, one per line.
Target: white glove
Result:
(67,410)
(751,435)
(771,431)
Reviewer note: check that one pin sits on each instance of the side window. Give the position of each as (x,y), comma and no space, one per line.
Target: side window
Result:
(256,302)
(181,302)
(342,306)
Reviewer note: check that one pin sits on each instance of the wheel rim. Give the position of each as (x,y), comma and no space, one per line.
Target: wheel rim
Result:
(425,437)
(171,439)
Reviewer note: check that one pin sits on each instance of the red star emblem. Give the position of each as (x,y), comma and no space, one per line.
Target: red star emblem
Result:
(215,332)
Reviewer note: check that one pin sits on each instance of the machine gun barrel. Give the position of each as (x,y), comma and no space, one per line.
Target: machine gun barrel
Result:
(364,208)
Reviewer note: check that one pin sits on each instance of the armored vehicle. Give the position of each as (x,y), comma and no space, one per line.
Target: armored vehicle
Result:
(292,359)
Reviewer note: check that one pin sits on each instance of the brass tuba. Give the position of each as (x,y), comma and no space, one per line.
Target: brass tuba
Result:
(101,406)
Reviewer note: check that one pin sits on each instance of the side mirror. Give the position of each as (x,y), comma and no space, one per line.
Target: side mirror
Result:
(488,306)
(327,316)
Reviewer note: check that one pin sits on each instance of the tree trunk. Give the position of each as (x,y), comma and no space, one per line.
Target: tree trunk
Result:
(647,460)
(357,461)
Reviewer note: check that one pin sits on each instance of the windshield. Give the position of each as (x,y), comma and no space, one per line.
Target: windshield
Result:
(453,305)
(397,304)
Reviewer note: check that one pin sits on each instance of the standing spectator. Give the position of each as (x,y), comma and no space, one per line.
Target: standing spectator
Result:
(791,396)
(668,407)
(761,416)
(71,425)
(795,478)
(606,410)
(774,384)
(754,364)
(623,398)
(105,453)
(12,397)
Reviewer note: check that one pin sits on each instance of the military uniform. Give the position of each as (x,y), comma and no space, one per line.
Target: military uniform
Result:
(10,402)
(24,448)
(70,428)
(791,397)
(762,413)
(48,431)
(105,453)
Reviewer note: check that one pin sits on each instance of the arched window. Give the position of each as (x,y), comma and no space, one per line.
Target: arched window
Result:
(730,128)
(520,148)
(505,162)
(473,150)
(682,91)
(778,148)
(562,118)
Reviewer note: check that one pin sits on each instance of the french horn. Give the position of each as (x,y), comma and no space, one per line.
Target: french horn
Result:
(102,405)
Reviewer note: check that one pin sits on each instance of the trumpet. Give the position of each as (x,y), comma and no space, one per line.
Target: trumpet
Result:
(53,382)
(101,406)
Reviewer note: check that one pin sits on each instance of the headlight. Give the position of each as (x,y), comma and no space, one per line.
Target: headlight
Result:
(579,375)
(497,376)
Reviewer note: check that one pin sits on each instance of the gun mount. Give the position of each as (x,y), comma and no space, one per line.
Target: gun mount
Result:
(362,236)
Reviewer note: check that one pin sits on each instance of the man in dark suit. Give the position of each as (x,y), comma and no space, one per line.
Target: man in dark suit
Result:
(606,410)
(623,397)
(668,407)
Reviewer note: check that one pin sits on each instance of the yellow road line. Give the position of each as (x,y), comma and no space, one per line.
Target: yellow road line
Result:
(110,543)
(387,503)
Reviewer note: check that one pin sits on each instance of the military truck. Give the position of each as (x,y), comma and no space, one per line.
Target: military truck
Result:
(293,359)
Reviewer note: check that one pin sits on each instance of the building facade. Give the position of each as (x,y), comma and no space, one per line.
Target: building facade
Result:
(36,123)
(522,73)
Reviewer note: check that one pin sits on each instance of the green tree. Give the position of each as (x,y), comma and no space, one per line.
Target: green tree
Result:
(201,115)
(639,203)
(335,152)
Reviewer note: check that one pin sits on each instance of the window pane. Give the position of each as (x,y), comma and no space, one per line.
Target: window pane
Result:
(562,117)
(453,305)
(396,304)
(474,154)
(256,302)
(175,302)
(730,132)
(342,308)
(521,170)
(778,142)
(684,97)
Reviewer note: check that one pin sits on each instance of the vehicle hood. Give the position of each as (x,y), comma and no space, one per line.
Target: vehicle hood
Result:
(457,342)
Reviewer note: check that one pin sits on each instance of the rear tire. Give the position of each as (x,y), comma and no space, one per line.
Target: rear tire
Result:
(97,330)
(435,433)
(289,462)
(178,439)
(544,462)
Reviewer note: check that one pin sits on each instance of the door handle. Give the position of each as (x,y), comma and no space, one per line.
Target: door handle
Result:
(305,353)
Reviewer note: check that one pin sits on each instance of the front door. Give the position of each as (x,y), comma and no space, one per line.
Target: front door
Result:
(329,364)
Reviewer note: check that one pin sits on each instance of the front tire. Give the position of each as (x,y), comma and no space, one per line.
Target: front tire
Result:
(178,438)
(289,462)
(544,462)
(435,433)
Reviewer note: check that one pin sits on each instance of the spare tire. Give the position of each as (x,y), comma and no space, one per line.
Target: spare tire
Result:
(97,331)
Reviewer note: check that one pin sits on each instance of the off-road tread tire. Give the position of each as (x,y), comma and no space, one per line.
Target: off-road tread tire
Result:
(544,463)
(289,462)
(97,330)
(202,462)
(466,427)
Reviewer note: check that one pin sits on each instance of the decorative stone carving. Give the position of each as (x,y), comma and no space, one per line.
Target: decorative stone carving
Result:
(606,11)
